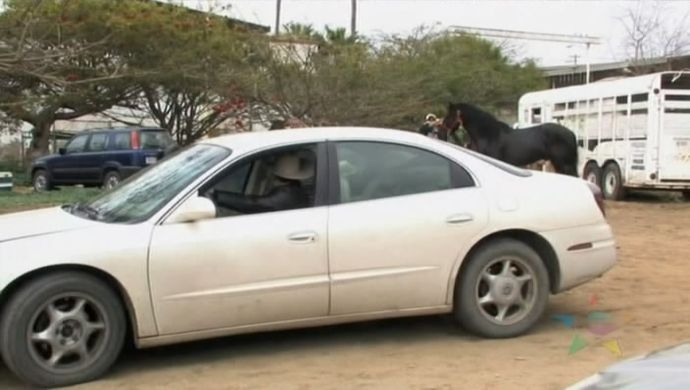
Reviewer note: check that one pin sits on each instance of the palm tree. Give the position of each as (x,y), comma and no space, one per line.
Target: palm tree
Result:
(299,30)
(278,16)
(353,18)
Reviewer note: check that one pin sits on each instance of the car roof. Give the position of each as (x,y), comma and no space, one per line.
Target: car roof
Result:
(117,129)
(262,139)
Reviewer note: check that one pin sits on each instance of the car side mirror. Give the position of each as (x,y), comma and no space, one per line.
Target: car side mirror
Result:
(62,150)
(193,209)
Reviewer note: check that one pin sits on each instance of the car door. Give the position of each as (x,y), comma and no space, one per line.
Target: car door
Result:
(66,168)
(404,215)
(120,152)
(241,269)
(92,160)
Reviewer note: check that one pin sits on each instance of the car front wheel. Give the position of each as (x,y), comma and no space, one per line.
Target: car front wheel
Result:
(62,329)
(41,181)
(503,290)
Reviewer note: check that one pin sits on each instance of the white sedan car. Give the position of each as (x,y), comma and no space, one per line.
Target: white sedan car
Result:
(292,228)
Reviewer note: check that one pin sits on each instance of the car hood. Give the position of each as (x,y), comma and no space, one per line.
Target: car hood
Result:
(45,159)
(667,368)
(33,223)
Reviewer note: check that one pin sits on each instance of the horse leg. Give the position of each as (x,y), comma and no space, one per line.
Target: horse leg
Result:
(571,169)
(565,168)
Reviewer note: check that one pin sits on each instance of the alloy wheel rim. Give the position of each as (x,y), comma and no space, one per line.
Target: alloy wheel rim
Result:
(40,183)
(506,291)
(67,333)
(112,182)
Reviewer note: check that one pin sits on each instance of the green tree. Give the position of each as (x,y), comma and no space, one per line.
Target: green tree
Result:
(57,65)
(178,66)
(394,81)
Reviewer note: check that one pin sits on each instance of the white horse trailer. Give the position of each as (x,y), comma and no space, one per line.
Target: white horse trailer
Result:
(632,132)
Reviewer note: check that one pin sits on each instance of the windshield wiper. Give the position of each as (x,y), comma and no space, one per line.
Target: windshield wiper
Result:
(89,211)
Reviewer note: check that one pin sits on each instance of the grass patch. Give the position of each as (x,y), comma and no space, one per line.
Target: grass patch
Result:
(22,198)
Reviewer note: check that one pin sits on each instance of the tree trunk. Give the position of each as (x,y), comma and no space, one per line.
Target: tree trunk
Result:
(41,139)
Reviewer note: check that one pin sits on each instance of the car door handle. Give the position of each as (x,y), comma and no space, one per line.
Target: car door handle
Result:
(302,237)
(459,218)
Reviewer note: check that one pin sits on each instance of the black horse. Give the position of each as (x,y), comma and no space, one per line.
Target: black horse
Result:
(489,136)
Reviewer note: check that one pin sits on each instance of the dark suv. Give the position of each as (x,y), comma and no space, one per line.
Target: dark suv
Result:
(101,157)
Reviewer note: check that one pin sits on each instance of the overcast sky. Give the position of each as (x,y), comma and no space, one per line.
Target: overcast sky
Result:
(587,17)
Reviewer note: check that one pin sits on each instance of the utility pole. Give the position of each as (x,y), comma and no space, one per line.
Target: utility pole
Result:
(547,37)
(353,18)
(278,17)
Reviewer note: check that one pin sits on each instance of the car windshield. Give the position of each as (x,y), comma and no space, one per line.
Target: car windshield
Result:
(141,196)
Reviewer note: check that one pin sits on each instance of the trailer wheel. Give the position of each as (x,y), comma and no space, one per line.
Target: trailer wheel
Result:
(612,183)
(592,173)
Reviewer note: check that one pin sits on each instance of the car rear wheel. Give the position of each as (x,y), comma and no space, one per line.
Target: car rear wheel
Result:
(62,329)
(41,181)
(503,290)
(111,180)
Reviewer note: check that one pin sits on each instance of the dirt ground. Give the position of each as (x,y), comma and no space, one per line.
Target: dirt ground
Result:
(646,296)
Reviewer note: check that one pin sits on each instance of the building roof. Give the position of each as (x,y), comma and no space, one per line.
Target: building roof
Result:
(619,65)
(566,75)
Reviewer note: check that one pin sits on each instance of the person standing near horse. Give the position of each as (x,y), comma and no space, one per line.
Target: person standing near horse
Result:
(433,127)
(430,127)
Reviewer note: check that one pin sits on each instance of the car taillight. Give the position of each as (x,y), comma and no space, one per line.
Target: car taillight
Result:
(598,196)
(135,140)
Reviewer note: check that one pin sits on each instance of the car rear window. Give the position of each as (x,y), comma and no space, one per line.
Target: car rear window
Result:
(156,139)
(512,169)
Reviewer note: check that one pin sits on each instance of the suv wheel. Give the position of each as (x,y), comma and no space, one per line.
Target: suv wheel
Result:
(111,180)
(40,181)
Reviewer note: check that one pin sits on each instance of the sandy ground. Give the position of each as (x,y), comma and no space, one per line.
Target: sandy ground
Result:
(646,296)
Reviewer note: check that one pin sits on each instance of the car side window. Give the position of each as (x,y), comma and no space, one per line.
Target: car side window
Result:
(374,170)
(77,144)
(119,141)
(97,142)
(272,181)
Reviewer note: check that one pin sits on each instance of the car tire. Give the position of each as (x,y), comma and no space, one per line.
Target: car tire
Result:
(41,181)
(503,277)
(686,196)
(612,183)
(592,173)
(111,180)
(84,341)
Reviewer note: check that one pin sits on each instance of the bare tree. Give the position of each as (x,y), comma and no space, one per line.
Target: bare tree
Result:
(652,30)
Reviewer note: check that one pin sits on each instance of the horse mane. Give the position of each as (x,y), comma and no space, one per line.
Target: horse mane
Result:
(473,116)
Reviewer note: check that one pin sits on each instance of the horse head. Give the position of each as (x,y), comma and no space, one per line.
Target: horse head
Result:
(453,119)
(463,115)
